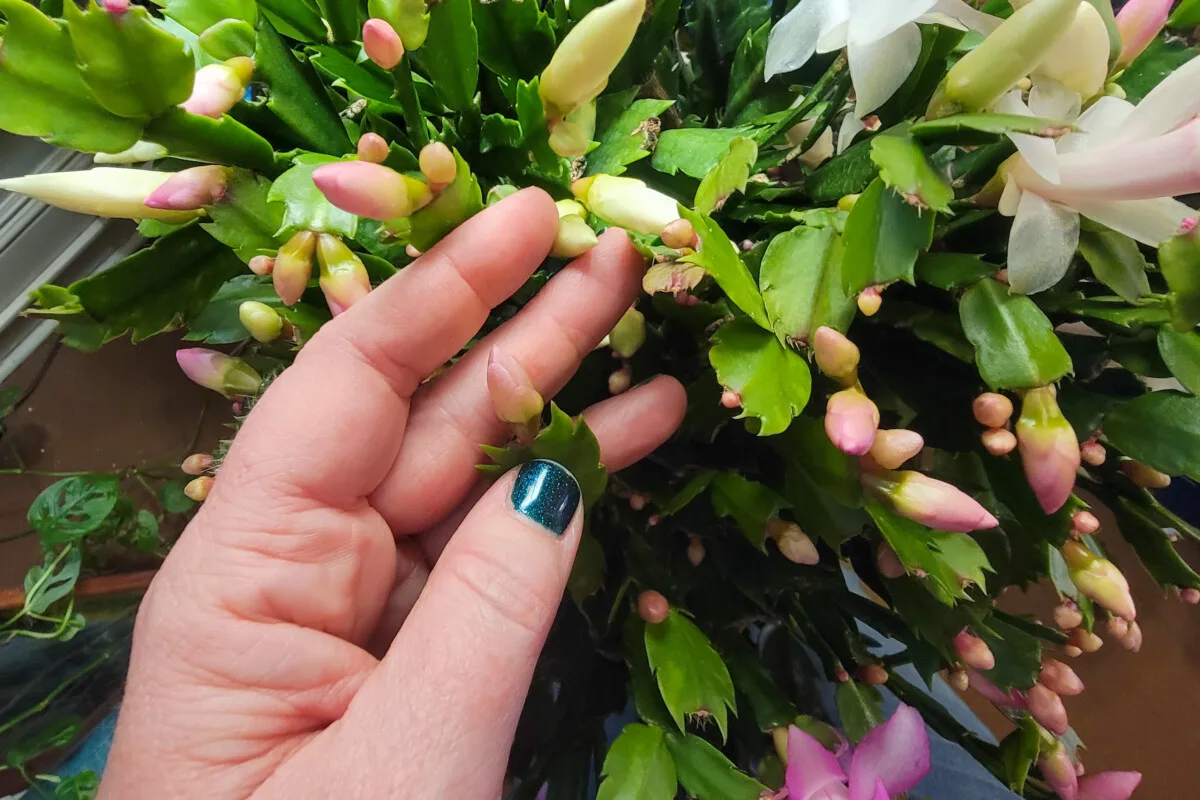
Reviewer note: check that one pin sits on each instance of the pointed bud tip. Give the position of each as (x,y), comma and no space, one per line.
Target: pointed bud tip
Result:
(437,163)
(196,464)
(851,420)
(1085,522)
(513,395)
(836,355)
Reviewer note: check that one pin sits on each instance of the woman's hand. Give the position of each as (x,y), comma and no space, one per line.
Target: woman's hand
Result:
(352,613)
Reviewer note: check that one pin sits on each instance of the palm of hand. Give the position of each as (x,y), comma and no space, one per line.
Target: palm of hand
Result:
(291,645)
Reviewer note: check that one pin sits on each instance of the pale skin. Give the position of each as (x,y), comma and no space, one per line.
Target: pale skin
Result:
(353,613)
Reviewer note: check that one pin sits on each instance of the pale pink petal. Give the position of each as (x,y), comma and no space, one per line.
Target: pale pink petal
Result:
(1041,244)
(1109,785)
(881,792)
(793,40)
(1168,105)
(895,753)
(851,126)
(1150,222)
(879,68)
(810,767)
(1038,151)
(1049,99)
(1104,117)
(874,20)
(1163,166)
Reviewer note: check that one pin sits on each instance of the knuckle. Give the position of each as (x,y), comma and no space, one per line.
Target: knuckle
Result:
(503,594)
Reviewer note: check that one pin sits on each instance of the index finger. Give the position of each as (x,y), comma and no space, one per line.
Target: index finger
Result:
(330,427)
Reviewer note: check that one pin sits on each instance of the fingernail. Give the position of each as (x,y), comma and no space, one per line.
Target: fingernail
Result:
(546,493)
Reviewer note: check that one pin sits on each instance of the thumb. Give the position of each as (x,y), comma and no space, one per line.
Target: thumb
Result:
(451,687)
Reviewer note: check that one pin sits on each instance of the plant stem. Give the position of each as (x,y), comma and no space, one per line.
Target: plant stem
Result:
(406,93)
(44,703)
(17,536)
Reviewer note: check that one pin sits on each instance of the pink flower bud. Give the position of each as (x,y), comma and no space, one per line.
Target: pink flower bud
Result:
(731,399)
(638,501)
(513,396)
(382,44)
(620,380)
(1144,476)
(989,690)
(797,547)
(1109,786)
(930,502)
(437,164)
(874,674)
(262,321)
(293,267)
(225,374)
(368,190)
(1072,651)
(870,300)
(850,421)
(998,441)
(1138,23)
(1067,616)
(190,189)
(836,355)
(1117,627)
(411,251)
(344,280)
(974,651)
(1047,708)
(1055,764)
(199,488)
(373,148)
(992,410)
(1085,641)
(1049,449)
(219,87)
(1092,453)
(1132,640)
(116,6)
(1059,678)
(1190,596)
(1085,522)
(680,233)
(695,550)
(888,563)
(653,607)
(262,265)
(1099,579)
(958,679)
(893,447)
(196,464)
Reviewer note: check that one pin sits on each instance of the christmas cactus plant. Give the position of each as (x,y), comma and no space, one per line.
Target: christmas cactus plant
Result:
(915,262)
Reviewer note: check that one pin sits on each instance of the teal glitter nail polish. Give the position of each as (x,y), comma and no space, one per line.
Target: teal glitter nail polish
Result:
(546,493)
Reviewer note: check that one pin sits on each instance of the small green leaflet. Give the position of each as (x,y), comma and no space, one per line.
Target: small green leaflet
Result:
(1154,547)
(728,176)
(134,68)
(450,54)
(516,38)
(860,705)
(72,508)
(1160,429)
(691,676)
(1018,652)
(1018,751)
(773,382)
(246,219)
(801,283)
(905,169)
(44,91)
(750,504)
(849,172)
(694,151)
(305,208)
(884,234)
(1116,261)
(626,132)
(638,766)
(690,491)
(952,270)
(1015,344)
(172,498)
(719,257)
(565,440)
(532,116)
(200,15)
(45,585)
(981,128)
(1181,353)
(455,204)
(707,774)
(216,141)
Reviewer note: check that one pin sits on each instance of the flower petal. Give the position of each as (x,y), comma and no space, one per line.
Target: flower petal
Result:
(1109,785)
(851,126)
(879,68)
(1169,105)
(1150,222)
(1010,198)
(973,19)
(874,20)
(1039,152)
(1041,244)
(1050,99)
(793,40)
(881,792)
(1106,115)
(895,754)
(810,767)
